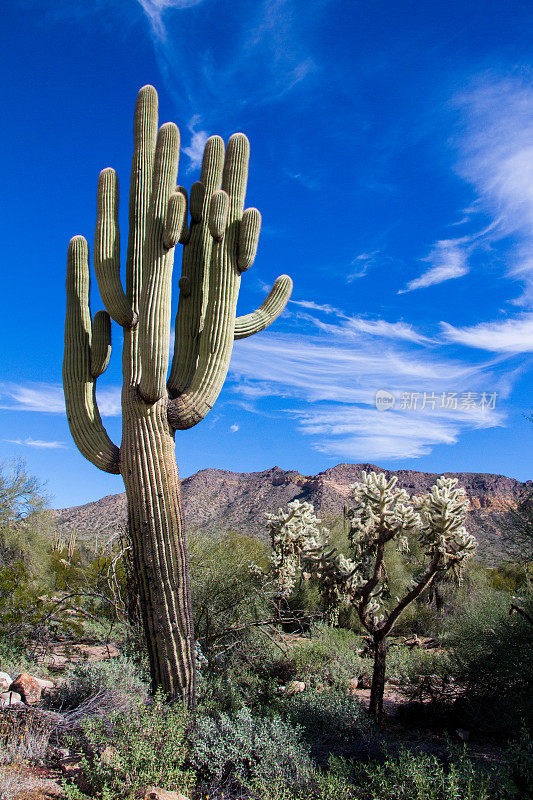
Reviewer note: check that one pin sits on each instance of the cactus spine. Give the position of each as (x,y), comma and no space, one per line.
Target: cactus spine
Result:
(219,243)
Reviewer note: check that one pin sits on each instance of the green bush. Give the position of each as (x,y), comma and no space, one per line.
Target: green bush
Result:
(240,751)
(28,614)
(226,595)
(329,657)
(519,767)
(419,776)
(491,658)
(332,719)
(412,669)
(142,746)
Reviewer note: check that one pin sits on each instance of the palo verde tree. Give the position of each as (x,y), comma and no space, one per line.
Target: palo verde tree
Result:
(219,244)
(383,516)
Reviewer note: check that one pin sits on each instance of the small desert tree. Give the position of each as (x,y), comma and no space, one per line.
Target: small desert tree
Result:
(384,516)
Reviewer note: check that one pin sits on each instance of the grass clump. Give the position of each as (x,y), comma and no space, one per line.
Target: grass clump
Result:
(116,677)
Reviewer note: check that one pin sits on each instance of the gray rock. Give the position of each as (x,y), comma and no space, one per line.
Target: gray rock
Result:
(10,699)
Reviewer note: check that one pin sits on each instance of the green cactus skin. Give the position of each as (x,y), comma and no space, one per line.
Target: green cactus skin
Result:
(219,244)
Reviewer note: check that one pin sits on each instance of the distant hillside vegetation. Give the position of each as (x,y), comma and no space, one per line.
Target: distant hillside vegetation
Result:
(217,500)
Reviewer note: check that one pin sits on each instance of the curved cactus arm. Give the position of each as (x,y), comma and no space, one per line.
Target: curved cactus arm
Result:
(194,279)
(78,381)
(267,312)
(101,343)
(216,341)
(161,230)
(107,251)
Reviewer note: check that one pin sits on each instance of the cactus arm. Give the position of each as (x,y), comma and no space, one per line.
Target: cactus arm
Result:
(107,251)
(144,143)
(216,342)
(174,223)
(249,231)
(79,383)
(101,343)
(194,279)
(267,312)
(154,318)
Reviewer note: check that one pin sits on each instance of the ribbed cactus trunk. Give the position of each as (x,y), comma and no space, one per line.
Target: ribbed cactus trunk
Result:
(155,524)
(218,245)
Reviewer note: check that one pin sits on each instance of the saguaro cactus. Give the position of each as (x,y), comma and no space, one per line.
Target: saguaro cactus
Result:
(219,244)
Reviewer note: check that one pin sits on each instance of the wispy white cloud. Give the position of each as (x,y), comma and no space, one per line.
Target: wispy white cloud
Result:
(45,397)
(109,401)
(234,428)
(37,443)
(312,306)
(361,264)
(497,158)
(333,383)
(352,327)
(155,10)
(495,155)
(195,150)
(263,56)
(49,398)
(306,180)
(449,259)
(368,435)
(500,336)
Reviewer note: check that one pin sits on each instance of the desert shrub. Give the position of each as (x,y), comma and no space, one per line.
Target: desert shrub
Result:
(83,681)
(29,615)
(332,718)
(226,594)
(329,657)
(144,745)
(510,577)
(412,668)
(491,658)
(241,750)
(23,737)
(248,674)
(519,767)
(419,776)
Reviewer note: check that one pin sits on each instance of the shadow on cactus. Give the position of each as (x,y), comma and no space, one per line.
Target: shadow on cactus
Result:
(219,244)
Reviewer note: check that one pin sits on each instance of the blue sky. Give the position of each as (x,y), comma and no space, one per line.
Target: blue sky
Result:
(392,161)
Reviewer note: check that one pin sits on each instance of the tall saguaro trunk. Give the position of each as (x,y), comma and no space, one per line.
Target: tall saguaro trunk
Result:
(155,524)
(219,243)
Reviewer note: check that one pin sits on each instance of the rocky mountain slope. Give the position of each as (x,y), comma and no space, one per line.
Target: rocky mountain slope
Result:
(218,500)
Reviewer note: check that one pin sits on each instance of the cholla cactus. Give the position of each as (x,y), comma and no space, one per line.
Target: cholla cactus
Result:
(443,512)
(335,574)
(384,515)
(292,532)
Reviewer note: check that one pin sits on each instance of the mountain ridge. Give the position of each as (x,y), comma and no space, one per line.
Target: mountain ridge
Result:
(217,500)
